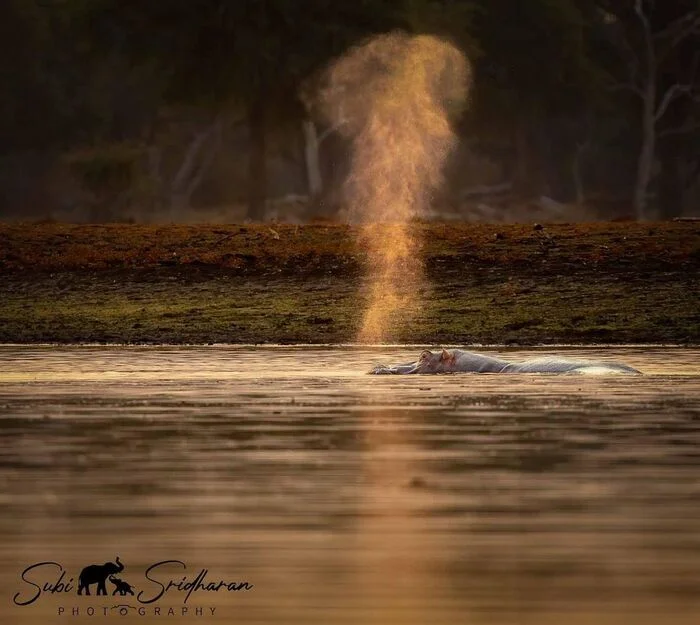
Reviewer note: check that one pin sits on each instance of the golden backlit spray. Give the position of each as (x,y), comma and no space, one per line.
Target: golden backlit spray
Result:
(393,96)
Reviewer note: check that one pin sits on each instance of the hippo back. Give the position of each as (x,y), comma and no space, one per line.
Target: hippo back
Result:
(564,365)
(477,363)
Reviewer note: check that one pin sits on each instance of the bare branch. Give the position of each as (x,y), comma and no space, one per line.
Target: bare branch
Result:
(215,137)
(632,53)
(342,121)
(680,28)
(331,129)
(674,92)
(195,164)
(190,161)
(677,32)
(648,39)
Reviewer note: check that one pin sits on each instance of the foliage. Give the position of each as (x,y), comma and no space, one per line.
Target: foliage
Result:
(534,54)
(86,73)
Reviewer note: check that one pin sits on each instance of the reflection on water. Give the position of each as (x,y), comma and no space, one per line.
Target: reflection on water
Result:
(348,498)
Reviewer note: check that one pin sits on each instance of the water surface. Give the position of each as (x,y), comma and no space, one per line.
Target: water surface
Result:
(348,498)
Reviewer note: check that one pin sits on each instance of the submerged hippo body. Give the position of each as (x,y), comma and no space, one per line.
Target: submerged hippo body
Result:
(460,361)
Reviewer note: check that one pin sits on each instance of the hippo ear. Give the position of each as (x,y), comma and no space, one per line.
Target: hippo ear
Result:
(445,355)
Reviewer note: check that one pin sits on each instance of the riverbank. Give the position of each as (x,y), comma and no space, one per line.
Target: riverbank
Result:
(513,284)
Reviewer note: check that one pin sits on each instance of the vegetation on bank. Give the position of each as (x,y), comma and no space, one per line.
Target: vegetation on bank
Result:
(279,283)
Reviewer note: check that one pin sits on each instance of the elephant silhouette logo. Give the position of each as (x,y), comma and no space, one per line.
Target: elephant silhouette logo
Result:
(98,574)
(122,587)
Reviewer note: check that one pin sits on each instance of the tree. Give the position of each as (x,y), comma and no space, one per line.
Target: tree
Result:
(35,110)
(533,70)
(251,54)
(660,70)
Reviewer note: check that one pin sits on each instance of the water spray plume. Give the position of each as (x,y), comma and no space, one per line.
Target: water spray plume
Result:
(393,97)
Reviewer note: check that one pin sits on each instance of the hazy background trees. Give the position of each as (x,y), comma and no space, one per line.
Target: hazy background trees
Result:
(116,109)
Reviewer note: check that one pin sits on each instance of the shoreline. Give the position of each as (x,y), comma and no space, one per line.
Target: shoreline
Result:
(613,283)
(368,346)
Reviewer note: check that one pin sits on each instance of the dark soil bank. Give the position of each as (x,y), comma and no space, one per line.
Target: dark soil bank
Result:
(588,283)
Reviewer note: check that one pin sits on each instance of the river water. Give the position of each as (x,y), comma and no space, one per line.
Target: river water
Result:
(347,498)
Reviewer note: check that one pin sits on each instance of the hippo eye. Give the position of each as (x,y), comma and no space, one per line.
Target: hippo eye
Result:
(424,355)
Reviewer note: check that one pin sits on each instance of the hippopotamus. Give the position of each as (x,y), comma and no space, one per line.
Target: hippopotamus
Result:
(460,361)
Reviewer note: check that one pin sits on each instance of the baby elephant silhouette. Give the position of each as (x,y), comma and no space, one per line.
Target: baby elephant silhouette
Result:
(122,587)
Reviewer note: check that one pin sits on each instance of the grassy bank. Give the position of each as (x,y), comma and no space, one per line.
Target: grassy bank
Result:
(609,282)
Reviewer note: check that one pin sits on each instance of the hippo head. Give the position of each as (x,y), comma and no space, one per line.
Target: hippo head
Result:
(428,362)
(438,362)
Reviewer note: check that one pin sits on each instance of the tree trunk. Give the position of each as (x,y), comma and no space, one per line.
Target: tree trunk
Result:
(198,158)
(646,156)
(314,182)
(257,164)
(178,199)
